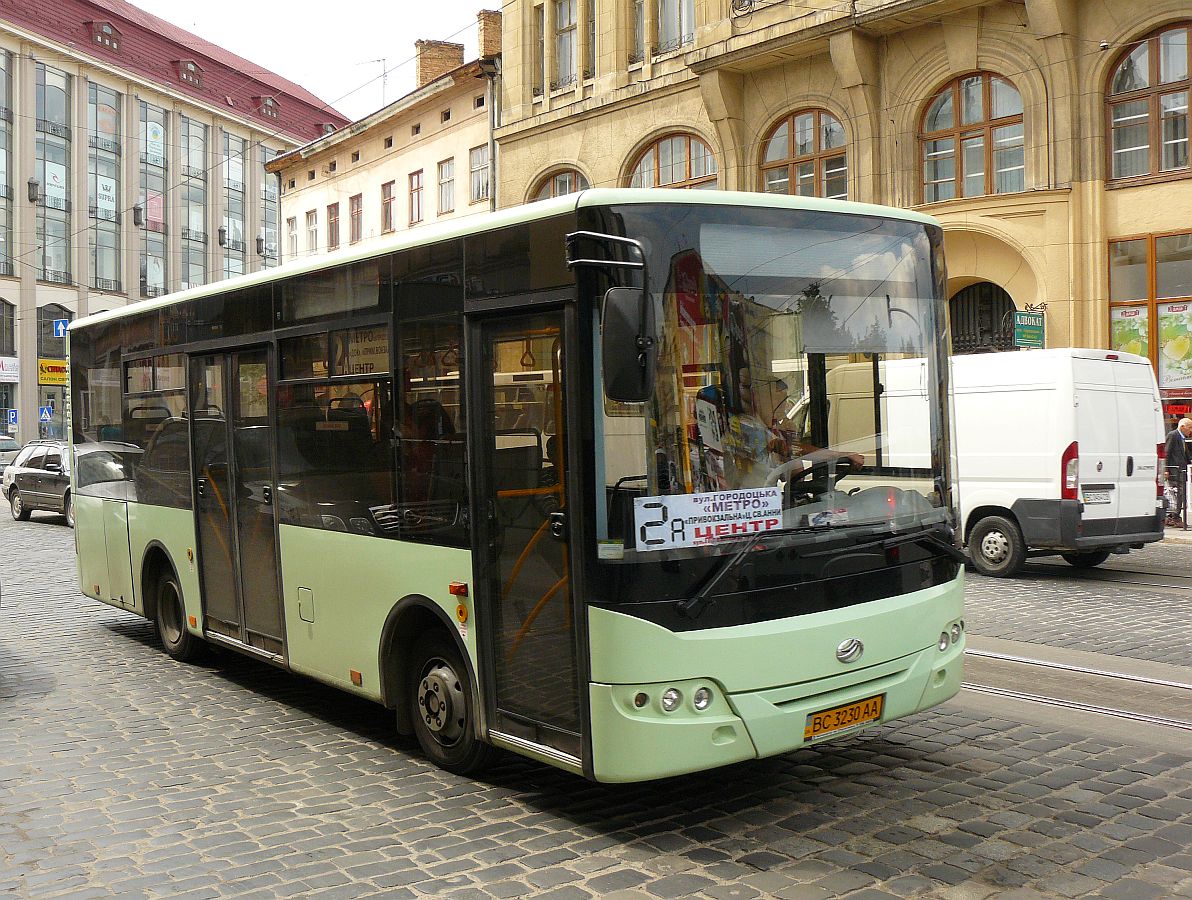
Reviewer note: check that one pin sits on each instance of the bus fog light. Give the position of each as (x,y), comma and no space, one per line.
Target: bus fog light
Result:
(641,699)
(671,699)
(702,699)
(943,640)
(956,633)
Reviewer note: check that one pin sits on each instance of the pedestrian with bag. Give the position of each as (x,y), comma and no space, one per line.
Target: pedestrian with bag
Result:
(1177,472)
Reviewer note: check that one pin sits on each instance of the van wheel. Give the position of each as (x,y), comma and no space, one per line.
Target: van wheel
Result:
(170,621)
(16,504)
(442,707)
(996,547)
(1086,560)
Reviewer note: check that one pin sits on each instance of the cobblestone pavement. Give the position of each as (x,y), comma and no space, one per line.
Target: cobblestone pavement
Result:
(125,773)
(1136,621)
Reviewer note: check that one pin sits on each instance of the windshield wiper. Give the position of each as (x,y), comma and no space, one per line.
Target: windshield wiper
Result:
(701,599)
(927,537)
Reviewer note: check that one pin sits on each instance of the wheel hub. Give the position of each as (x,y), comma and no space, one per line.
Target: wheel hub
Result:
(995,547)
(441,702)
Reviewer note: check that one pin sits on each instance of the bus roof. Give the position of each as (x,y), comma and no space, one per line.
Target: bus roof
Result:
(515,215)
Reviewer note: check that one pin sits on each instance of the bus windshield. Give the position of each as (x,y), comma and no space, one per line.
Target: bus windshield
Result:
(799,385)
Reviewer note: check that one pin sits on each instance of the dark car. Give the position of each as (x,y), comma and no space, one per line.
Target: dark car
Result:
(39,478)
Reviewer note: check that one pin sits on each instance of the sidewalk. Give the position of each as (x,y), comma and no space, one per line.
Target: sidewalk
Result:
(1177,535)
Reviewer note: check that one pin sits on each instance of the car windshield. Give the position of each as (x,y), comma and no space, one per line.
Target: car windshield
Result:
(799,383)
(8,444)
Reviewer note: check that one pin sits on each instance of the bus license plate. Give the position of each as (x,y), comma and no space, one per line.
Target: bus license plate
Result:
(1096,496)
(841,718)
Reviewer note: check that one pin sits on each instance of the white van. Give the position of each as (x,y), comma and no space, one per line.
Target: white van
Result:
(1058,450)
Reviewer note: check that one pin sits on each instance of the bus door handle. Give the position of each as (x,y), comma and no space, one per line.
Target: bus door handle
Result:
(267,493)
(558,526)
(201,486)
(1129,465)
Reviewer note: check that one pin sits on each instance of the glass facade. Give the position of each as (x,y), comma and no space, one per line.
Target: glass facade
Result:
(103,186)
(193,150)
(270,210)
(6,192)
(52,167)
(233,243)
(154,167)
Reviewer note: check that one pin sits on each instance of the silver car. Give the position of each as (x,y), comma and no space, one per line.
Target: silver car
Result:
(9,448)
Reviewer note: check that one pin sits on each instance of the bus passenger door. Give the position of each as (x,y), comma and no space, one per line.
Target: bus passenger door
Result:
(522,565)
(234,493)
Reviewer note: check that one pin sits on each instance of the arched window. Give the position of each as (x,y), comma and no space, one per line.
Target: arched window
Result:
(564,181)
(977,119)
(1148,106)
(675,161)
(804,154)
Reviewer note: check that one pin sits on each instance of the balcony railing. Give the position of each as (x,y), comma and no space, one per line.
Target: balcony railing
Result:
(103,143)
(107,284)
(45,126)
(54,276)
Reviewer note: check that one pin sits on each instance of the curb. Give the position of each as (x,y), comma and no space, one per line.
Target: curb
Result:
(1177,536)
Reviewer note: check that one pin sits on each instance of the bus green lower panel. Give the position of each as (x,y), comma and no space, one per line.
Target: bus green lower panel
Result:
(174,531)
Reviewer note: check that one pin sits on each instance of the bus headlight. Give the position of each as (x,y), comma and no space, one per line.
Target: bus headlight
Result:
(944,640)
(956,633)
(671,698)
(702,699)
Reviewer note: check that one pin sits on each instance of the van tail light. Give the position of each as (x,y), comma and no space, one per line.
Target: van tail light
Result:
(1161,454)
(1070,472)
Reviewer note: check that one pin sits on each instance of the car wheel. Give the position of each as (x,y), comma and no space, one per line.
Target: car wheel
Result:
(170,621)
(68,509)
(1087,560)
(996,547)
(16,505)
(442,706)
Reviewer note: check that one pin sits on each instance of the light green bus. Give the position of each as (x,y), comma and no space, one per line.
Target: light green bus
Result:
(533,479)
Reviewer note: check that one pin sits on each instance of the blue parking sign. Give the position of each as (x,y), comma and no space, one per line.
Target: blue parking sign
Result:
(12,417)
(60,327)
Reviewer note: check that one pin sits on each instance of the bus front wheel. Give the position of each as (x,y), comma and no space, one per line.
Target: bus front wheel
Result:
(442,706)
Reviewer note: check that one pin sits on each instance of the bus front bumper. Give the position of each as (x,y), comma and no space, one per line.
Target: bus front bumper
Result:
(635,739)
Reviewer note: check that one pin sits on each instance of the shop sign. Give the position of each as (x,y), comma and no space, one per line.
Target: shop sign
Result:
(1029,329)
(1175,345)
(1178,409)
(51,371)
(10,368)
(1128,330)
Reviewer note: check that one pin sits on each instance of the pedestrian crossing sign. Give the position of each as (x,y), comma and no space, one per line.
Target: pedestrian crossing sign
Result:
(45,413)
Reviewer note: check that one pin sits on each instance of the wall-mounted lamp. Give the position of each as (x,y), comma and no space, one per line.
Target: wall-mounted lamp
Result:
(34,190)
(138,216)
(223,236)
(260,245)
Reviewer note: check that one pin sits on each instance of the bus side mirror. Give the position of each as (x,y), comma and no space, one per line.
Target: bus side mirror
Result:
(627,345)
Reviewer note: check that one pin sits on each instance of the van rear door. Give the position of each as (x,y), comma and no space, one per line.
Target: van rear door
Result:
(1140,429)
(1097,432)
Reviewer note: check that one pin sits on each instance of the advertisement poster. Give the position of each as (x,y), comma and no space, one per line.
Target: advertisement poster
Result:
(55,185)
(105,197)
(10,369)
(51,371)
(155,142)
(1128,330)
(1175,344)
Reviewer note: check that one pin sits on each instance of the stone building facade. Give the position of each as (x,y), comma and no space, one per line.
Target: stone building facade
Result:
(131,164)
(1050,137)
(423,158)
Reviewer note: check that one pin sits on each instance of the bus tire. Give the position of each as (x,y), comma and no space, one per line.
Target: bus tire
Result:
(1089,559)
(996,548)
(442,706)
(170,621)
(16,505)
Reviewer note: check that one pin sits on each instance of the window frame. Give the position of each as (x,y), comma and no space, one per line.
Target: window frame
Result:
(1153,94)
(355,218)
(687,182)
(388,189)
(478,174)
(819,157)
(446,186)
(959,132)
(417,182)
(332,226)
(549,181)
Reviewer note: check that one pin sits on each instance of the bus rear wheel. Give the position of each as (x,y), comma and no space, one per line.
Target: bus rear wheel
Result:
(170,621)
(442,706)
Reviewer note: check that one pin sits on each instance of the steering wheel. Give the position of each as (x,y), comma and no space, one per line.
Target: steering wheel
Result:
(844,468)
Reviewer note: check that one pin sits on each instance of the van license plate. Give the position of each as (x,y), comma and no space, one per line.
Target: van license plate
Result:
(1096,496)
(842,718)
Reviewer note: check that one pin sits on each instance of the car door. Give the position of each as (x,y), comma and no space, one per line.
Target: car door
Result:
(54,479)
(28,478)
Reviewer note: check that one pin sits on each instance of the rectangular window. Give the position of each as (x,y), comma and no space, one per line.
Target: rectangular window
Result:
(538,67)
(675,24)
(312,231)
(1175,130)
(355,217)
(103,186)
(387,206)
(333,226)
(6,192)
(235,247)
(478,164)
(1009,162)
(270,208)
(1128,270)
(590,42)
(565,22)
(1130,123)
(836,178)
(939,170)
(52,168)
(638,53)
(415,197)
(447,186)
(292,236)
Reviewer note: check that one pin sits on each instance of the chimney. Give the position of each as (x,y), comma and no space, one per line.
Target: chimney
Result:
(490,32)
(437,58)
